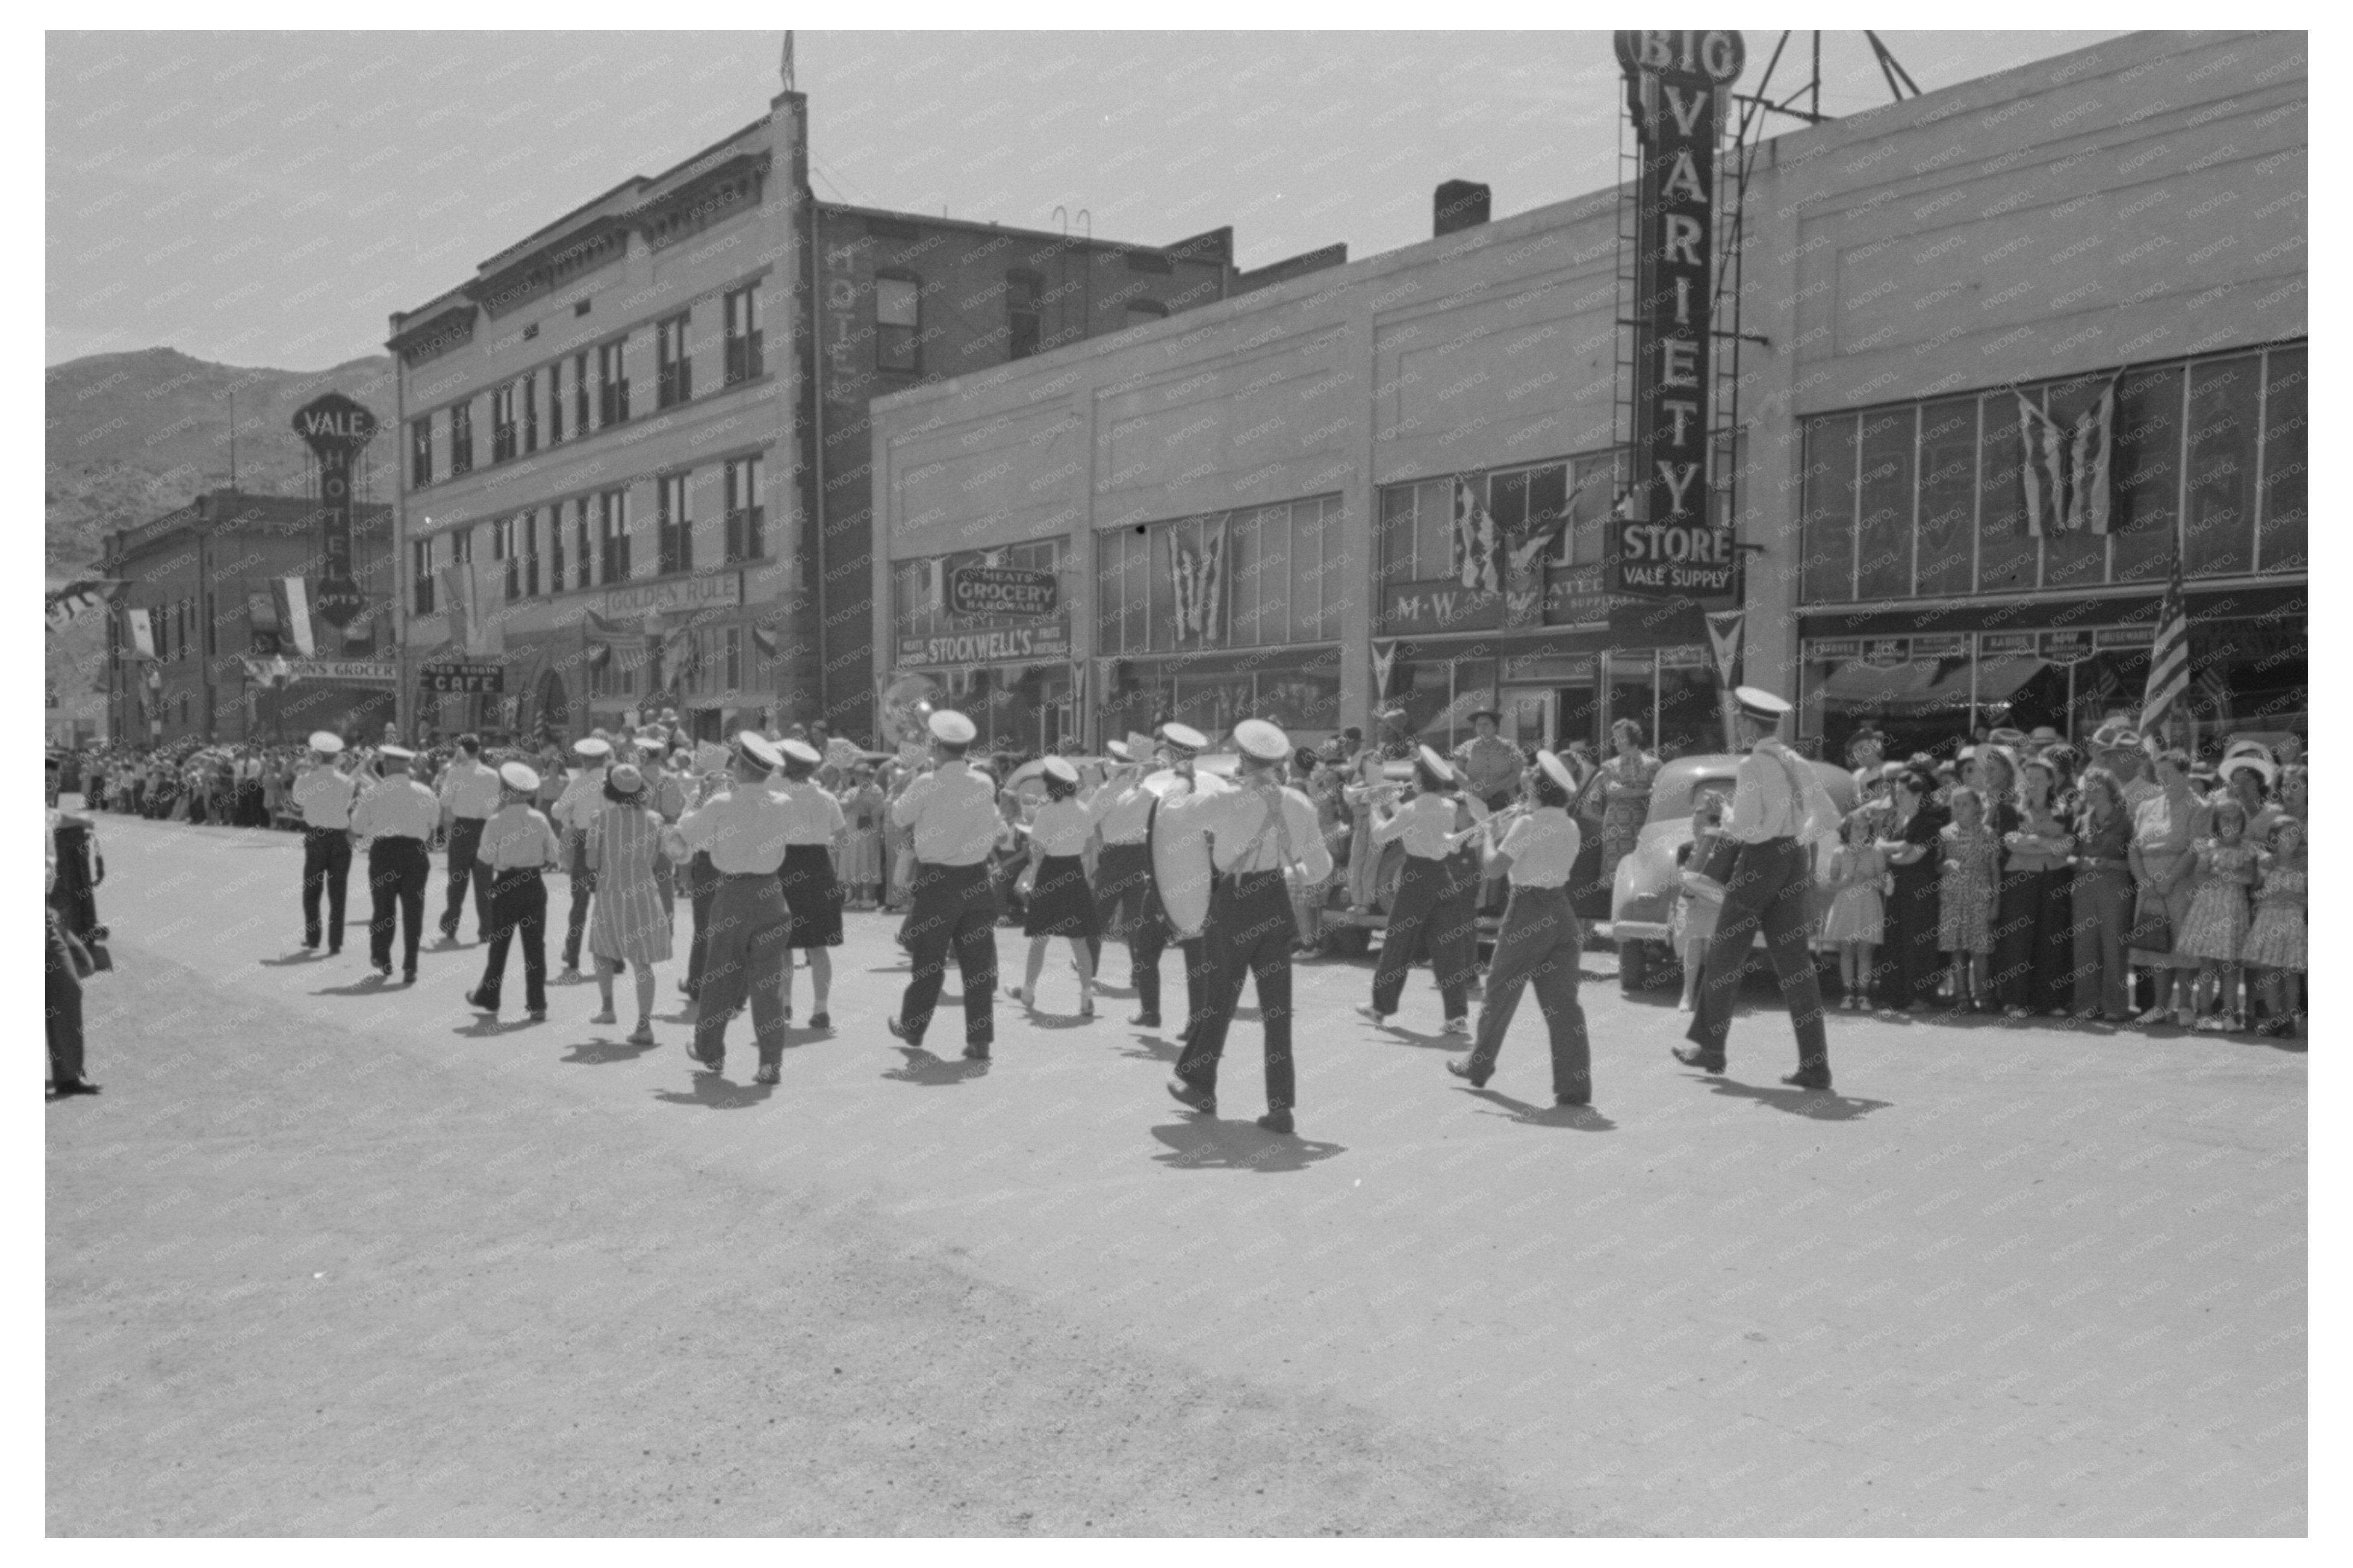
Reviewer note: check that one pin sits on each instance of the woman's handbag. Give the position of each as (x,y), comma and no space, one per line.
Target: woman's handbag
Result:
(2152,931)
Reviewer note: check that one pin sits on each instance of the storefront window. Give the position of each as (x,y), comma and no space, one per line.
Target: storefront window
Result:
(2281,545)
(1304,698)
(2217,534)
(919,589)
(1534,534)
(1948,497)
(2148,474)
(1690,717)
(1883,525)
(1828,574)
(2006,551)
(1267,577)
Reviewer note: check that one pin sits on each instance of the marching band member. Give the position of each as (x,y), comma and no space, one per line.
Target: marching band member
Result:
(743,828)
(1540,940)
(952,812)
(574,810)
(397,819)
(812,890)
(1181,867)
(1127,905)
(520,848)
(323,795)
(1262,836)
(469,793)
(1060,902)
(1437,892)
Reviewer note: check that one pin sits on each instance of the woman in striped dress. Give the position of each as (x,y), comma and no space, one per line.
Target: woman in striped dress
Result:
(627,924)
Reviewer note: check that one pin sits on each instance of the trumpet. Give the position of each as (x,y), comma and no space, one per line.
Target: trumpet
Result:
(1365,794)
(1502,818)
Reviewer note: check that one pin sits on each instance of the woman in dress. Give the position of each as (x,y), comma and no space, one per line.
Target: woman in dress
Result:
(1967,877)
(2165,830)
(812,885)
(1911,845)
(2100,899)
(1699,899)
(2036,946)
(2274,946)
(861,851)
(2216,928)
(1855,923)
(627,925)
(1061,903)
(1626,796)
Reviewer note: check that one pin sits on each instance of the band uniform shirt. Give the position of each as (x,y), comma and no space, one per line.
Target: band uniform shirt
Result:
(813,815)
(324,795)
(1234,818)
(1426,822)
(517,838)
(953,811)
(397,808)
(1542,846)
(470,790)
(1062,828)
(580,800)
(671,790)
(1122,812)
(742,829)
(1774,796)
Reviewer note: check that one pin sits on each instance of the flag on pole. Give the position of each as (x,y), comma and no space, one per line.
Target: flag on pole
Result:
(293,601)
(1474,539)
(764,638)
(2168,656)
(77,599)
(2067,467)
(142,631)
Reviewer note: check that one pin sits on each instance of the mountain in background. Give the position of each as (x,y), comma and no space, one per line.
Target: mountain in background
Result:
(133,436)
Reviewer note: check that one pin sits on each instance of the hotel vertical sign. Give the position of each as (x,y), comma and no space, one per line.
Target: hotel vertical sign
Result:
(335,429)
(1667,543)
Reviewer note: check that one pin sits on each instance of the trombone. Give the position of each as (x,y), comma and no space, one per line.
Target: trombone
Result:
(1498,820)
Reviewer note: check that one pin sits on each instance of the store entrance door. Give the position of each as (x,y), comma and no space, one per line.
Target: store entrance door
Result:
(1527,715)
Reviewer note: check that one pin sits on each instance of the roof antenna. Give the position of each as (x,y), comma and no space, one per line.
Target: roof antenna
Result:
(232,437)
(784,67)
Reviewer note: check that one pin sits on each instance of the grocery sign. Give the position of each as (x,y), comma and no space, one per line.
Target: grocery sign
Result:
(999,592)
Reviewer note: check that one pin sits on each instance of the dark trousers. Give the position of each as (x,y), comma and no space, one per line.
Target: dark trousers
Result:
(2034,944)
(1436,899)
(2100,911)
(61,993)
(702,887)
(1909,962)
(326,866)
(518,903)
(583,888)
(1539,945)
(745,959)
(955,908)
(398,870)
(1771,884)
(465,840)
(1250,932)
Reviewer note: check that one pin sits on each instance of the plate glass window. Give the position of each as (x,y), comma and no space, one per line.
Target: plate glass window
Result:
(674,529)
(673,369)
(746,516)
(741,309)
(898,321)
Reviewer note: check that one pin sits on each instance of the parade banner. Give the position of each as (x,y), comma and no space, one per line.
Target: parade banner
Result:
(293,603)
(142,632)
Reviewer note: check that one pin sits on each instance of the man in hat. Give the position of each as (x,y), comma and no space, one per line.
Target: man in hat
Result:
(1127,902)
(470,792)
(1181,871)
(323,794)
(1491,765)
(2116,747)
(397,819)
(743,828)
(950,811)
(518,849)
(1866,752)
(576,809)
(1263,837)
(1779,809)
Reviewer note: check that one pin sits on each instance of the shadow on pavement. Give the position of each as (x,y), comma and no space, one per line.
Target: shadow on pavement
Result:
(597,1053)
(1147,1049)
(1207,1144)
(489,1028)
(367,985)
(711,1091)
(1814,1105)
(929,1072)
(1574,1119)
(291,959)
(1427,1041)
(1057,1020)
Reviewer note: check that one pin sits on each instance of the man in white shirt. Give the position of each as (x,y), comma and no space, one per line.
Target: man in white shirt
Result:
(397,819)
(952,812)
(1181,871)
(812,888)
(742,829)
(1779,809)
(470,792)
(1540,941)
(1437,894)
(323,795)
(1127,908)
(574,810)
(518,849)
(1263,837)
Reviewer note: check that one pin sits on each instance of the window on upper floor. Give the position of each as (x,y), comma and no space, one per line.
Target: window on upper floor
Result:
(746,516)
(461,438)
(613,520)
(580,393)
(584,535)
(612,384)
(555,403)
(898,322)
(674,527)
(673,367)
(461,544)
(420,453)
(503,550)
(741,309)
(531,412)
(421,577)
(1021,313)
(502,423)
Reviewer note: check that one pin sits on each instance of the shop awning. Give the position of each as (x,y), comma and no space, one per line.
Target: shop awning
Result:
(1897,690)
(1859,684)
(1997,681)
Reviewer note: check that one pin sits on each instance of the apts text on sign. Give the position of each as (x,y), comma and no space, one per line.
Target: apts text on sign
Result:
(998,592)
(1669,542)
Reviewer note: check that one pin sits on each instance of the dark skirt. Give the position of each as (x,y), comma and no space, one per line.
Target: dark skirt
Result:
(1909,962)
(813,894)
(1127,900)
(1060,902)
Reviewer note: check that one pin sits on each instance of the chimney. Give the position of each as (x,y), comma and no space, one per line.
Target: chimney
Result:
(1460,204)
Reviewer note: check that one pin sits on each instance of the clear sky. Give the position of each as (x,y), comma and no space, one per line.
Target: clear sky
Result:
(269,198)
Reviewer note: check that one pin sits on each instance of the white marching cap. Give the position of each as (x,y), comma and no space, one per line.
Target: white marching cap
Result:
(1262,740)
(398,753)
(326,742)
(1060,767)
(800,751)
(593,747)
(759,749)
(1118,748)
(1439,767)
(951,726)
(1555,769)
(518,776)
(1759,703)
(1184,735)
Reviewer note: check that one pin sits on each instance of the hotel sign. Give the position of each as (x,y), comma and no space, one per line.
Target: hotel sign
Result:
(1668,541)
(335,429)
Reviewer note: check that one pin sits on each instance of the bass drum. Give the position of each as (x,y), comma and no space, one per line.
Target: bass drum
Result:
(1180,847)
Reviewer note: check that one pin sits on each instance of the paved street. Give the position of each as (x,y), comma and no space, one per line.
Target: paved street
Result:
(325,1259)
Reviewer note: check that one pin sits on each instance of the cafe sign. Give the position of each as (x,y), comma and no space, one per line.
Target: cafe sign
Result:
(999,593)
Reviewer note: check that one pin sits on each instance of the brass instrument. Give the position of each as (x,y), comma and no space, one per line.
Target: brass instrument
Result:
(1502,818)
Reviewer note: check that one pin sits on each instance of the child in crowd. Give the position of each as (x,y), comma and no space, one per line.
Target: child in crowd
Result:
(1967,880)
(2275,945)
(2216,927)
(861,850)
(1857,916)
(1700,899)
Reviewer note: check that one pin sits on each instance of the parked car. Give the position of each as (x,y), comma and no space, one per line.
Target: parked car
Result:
(1642,893)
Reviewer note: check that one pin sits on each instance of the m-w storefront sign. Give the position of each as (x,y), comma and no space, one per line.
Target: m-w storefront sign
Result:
(1572,596)
(990,645)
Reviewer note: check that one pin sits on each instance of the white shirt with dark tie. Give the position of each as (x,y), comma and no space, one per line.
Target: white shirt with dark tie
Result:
(1123,811)
(323,795)
(742,829)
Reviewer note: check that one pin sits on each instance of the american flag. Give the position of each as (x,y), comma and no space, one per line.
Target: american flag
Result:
(1474,538)
(2067,467)
(2168,656)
